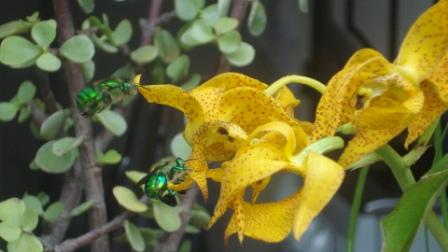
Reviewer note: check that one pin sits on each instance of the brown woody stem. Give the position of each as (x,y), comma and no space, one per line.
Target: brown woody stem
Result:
(92,178)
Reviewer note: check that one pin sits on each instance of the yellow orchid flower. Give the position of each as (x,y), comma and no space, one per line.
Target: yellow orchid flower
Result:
(219,113)
(269,149)
(381,99)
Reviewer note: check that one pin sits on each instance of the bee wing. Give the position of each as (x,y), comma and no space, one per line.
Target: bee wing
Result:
(169,199)
(143,180)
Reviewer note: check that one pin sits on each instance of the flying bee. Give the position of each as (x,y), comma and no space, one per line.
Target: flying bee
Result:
(155,184)
(91,100)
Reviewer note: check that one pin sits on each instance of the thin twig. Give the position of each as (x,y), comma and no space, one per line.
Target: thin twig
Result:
(92,178)
(148,26)
(172,240)
(46,94)
(87,238)
(239,10)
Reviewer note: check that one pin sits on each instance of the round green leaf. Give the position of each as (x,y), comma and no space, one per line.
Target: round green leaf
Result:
(134,236)
(33,18)
(48,62)
(80,209)
(52,163)
(123,32)
(199,4)
(126,72)
(223,7)
(44,32)
(166,217)
(167,45)
(186,9)
(113,122)
(51,126)
(303,5)
(127,199)
(14,27)
(103,44)
(188,40)
(29,220)
(185,246)
(16,51)
(210,14)
(78,49)
(135,176)
(66,144)
(26,243)
(192,82)
(53,211)
(225,24)
(201,31)
(229,42)
(26,92)
(12,210)
(199,218)
(24,113)
(9,232)
(243,56)
(144,54)
(110,157)
(190,229)
(87,6)
(43,198)
(34,203)
(7,111)
(180,147)
(88,70)
(257,19)
(178,69)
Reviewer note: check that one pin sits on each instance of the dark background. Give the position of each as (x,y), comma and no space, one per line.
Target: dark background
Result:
(316,44)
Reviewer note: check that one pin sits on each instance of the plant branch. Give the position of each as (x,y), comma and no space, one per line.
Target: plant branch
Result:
(239,10)
(172,241)
(87,238)
(149,25)
(92,178)
(405,179)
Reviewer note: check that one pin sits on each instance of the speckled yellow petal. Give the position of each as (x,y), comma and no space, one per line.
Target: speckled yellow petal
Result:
(439,78)
(209,93)
(198,169)
(425,43)
(177,98)
(323,178)
(287,100)
(258,187)
(269,222)
(361,56)
(432,109)
(251,164)
(250,108)
(283,130)
(375,126)
(220,139)
(338,103)
(186,184)
(216,174)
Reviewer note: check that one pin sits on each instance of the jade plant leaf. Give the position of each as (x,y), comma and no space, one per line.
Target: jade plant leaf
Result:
(401,225)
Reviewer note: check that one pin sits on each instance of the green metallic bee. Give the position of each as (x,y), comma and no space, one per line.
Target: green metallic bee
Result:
(91,100)
(155,184)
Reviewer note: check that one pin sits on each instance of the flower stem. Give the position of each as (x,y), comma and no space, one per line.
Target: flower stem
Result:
(298,79)
(405,179)
(322,146)
(355,208)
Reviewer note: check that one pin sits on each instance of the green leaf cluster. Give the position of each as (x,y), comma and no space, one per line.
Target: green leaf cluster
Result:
(19,103)
(17,221)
